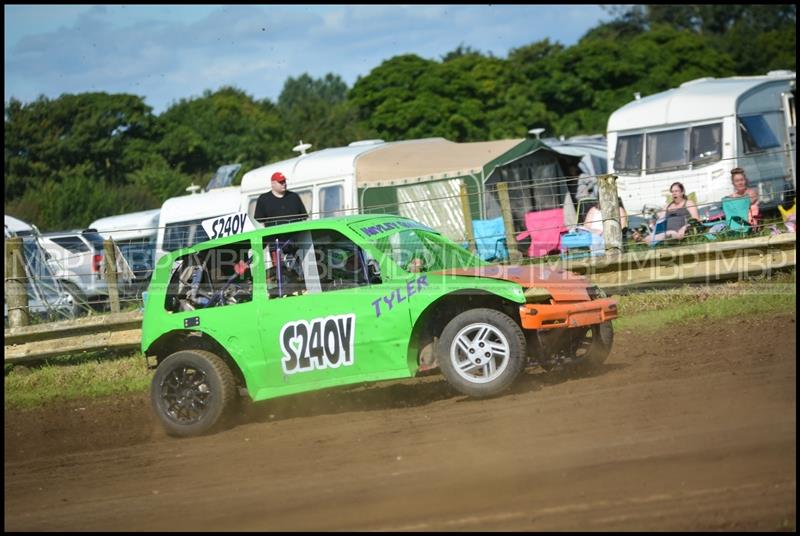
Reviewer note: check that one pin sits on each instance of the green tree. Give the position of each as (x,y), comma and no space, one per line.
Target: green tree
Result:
(66,160)
(317,112)
(46,137)
(410,97)
(758,37)
(588,81)
(223,127)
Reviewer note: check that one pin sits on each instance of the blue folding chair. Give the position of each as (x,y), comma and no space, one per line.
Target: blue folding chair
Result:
(581,242)
(490,239)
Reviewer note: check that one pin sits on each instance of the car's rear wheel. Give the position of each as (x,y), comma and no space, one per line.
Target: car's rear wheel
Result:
(481,352)
(193,392)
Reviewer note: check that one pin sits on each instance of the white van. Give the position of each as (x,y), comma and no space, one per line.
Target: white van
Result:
(696,133)
(135,234)
(180,220)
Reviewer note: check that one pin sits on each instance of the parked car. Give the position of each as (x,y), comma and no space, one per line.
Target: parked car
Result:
(76,259)
(47,298)
(322,303)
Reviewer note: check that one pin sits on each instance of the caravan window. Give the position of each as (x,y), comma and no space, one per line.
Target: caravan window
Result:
(758,132)
(307,197)
(184,234)
(667,150)
(628,156)
(330,200)
(706,143)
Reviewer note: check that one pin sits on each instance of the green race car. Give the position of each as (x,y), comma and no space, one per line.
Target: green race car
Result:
(330,302)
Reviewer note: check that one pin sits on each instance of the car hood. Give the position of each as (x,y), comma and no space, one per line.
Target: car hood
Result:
(560,284)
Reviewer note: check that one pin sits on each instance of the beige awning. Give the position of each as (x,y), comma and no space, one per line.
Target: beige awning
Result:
(429,159)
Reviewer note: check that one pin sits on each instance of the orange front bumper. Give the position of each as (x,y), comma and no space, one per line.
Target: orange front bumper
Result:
(567,315)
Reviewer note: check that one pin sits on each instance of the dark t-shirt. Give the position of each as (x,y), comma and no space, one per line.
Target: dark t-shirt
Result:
(271,210)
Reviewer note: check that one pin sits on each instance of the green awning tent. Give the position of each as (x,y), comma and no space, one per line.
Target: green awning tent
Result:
(422,179)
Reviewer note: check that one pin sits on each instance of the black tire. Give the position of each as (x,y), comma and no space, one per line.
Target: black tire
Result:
(193,392)
(580,349)
(598,340)
(479,375)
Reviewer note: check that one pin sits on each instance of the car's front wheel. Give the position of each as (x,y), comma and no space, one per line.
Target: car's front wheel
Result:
(481,352)
(192,392)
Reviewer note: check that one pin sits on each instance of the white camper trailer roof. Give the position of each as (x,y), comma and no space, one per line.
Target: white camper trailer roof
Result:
(203,205)
(14,226)
(427,159)
(128,226)
(696,100)
(311,168)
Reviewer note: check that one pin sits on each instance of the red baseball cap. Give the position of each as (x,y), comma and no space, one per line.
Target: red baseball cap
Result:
(278,176)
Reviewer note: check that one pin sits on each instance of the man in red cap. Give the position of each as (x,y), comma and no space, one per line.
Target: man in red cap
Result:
(279,205)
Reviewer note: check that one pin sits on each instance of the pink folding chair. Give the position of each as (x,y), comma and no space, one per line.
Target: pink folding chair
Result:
(544,227)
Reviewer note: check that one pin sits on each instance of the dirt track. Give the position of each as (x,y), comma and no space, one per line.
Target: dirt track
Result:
(695,431)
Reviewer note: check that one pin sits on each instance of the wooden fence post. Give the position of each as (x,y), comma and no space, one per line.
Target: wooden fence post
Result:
(470,236)
(609,208)
(16,283)
(110,267)
(508,221)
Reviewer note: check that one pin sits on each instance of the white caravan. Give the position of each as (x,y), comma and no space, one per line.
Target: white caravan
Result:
(696,133)
(180,220)
(325,180)
(135,234)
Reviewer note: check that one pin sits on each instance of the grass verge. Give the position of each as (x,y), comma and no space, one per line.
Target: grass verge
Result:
(91,376)
(98,375)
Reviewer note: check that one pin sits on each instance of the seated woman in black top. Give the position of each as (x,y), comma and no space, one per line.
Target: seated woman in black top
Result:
(677,214)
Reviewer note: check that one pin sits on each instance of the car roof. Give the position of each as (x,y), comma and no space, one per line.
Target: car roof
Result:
(305,225)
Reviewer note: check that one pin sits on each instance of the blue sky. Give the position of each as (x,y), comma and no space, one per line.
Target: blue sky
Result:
(166,53)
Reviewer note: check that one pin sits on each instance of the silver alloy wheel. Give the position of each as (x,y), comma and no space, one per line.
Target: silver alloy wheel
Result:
(479,353)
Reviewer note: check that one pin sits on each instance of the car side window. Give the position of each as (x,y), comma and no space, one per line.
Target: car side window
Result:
(342,263)
(212,277)
(316,261)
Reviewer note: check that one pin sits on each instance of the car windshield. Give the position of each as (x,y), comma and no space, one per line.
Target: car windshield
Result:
(416,250)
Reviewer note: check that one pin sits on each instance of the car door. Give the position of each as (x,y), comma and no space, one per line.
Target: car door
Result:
(212,291)
(328,320)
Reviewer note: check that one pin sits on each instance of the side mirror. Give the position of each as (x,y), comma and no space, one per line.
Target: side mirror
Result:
(374,271)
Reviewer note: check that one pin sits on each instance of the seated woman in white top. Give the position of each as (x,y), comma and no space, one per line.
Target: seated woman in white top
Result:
(594,219)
